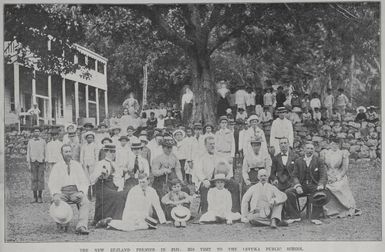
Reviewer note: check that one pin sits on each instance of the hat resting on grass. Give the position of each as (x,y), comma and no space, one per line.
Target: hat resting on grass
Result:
(62,213)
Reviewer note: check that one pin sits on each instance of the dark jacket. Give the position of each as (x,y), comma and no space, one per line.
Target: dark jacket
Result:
(281,172)
(317,171)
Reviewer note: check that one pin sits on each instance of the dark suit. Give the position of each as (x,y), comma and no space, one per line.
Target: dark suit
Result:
(283,173)
(317,176)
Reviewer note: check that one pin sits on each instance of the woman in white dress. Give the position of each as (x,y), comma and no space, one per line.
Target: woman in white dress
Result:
(342,203)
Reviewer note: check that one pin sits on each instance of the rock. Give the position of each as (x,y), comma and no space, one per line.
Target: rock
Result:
(354,148)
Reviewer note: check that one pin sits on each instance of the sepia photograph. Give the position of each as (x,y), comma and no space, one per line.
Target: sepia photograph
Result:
(192,122)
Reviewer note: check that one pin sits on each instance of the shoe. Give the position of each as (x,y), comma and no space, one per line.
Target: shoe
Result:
(177,224)
(317,222)
(289,221)
(33,202)
(39,200)
(183,224)
(273,223)
(82,231)
(229,222)
(103,223)
(282,223)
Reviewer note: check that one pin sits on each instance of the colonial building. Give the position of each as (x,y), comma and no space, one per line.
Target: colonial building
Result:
(69,98)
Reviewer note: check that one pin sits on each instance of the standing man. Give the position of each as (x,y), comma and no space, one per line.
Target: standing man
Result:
(224,141)
(342,102)
(166,167)
(36,155)
(34,112)
(309,176)
(53,150)
(283,166)
(240,97)
(68,182)
(280,97)
(281,127)
(328,103)
(253,162)
(205,171)
(254,131)
(89,155)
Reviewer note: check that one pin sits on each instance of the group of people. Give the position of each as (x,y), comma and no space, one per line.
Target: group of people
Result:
(139,177)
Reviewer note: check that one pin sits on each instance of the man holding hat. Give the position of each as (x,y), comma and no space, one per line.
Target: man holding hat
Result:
(224,141)
(281,127)
(262,203)
(253,131)
(53,154)
(135,166)
(253,162)
(36,156)
(309,176)
(166,167)
(67,182)
(89,155)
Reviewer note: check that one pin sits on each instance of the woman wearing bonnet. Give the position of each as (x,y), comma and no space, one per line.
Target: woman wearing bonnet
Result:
(223,103)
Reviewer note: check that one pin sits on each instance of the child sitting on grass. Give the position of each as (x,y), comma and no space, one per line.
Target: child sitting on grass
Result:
(176,197)
(219,203)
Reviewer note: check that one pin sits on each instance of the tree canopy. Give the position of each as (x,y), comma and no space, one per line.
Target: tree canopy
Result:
(312,45)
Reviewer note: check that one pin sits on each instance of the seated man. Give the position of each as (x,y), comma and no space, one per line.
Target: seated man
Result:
(141,201)
(265,202)
(283,166)
(309,176)
(68,182)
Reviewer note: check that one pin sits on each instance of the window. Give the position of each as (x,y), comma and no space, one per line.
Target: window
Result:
(81,59)
(100,67)
(91,63)
(91,93)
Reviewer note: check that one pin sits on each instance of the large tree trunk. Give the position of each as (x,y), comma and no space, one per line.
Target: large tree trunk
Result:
(202,86)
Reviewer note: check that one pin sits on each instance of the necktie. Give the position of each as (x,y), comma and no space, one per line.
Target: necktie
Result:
(144,192)
(136,165)
(68,169)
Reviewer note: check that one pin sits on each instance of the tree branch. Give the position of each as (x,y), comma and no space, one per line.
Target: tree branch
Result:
(168,32)
(222,39)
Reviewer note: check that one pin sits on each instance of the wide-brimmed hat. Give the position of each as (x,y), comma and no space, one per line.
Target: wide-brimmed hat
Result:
(219,177)
(168,141)
(320,198)
(106,138)
(136,144)
(88,125)
(253,117)
(281,110)
(69,126)
(361,107)
(102,125)
(179,131)
(180,213)
(228,111)
(62,213)
(151,222)
(371,107)
(89,133)
(109,147)
(223,118)
(208,125)
(130,128)
(123,138)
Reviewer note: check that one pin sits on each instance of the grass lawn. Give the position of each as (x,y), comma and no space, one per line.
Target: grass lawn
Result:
(27,222)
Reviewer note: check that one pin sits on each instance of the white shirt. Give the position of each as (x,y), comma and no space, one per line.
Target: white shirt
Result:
(160,123)
(219,201)
(181,150)
(59,177)
(142,163)
(284,158)
(315,103)
(281,128)
(250,133)
(240,98)
(308,160)
(122,156)
(89,154)
(251,160)
(205,165)
(155,149)
(259,195)
(250,99)
(53,154)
